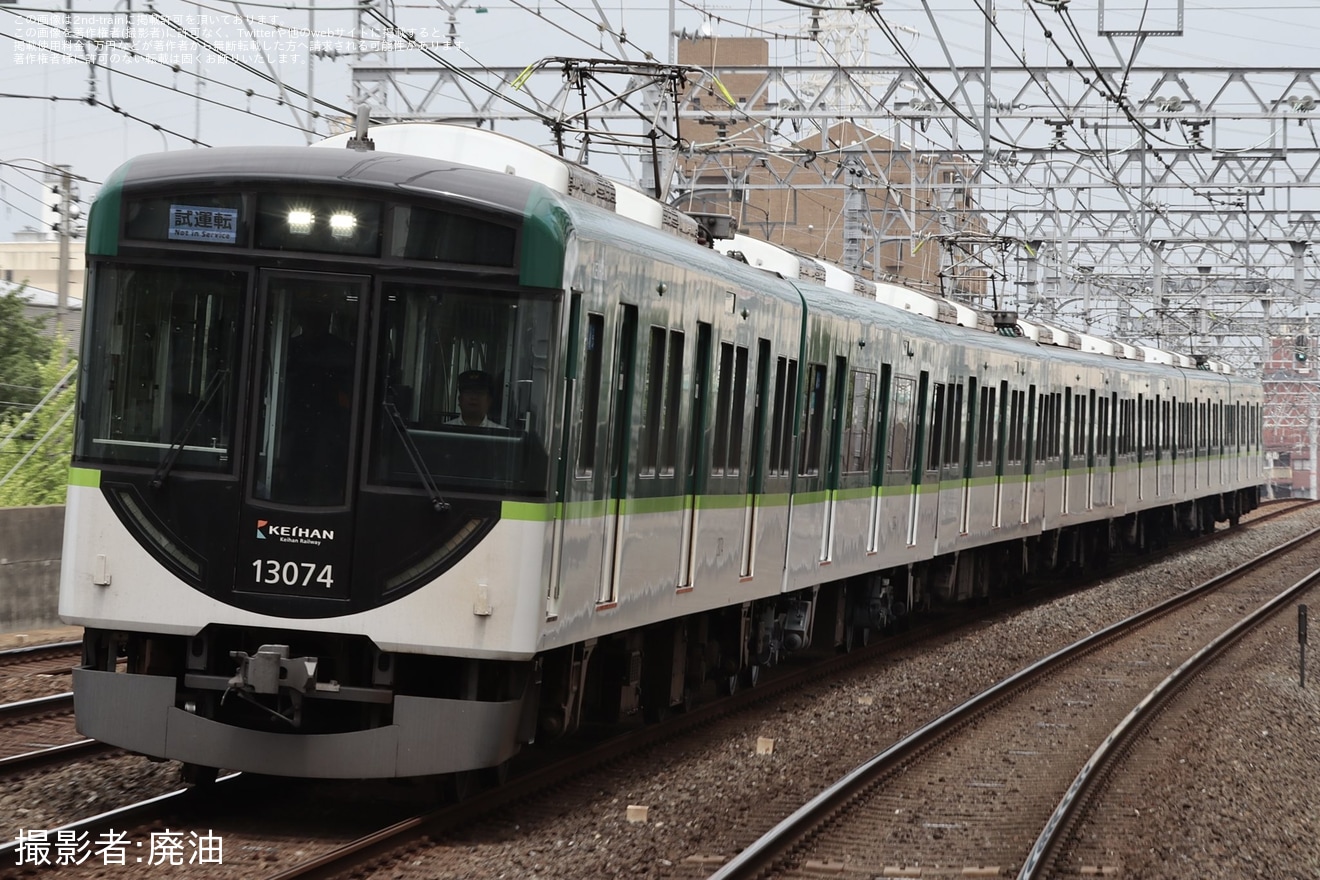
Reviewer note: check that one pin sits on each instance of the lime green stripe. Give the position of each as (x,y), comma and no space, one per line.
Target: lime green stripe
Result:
(663,504)
(721,502)
(84,477)
(854,494)
(811,497)
(527,512)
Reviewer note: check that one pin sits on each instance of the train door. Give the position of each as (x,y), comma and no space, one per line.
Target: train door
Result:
(918,460)
(695,457)
(756,464)
(296,536)
(879,461)
(1067,450)
(581,390)
(1030,452)
(832,458)
(1143,427)
(617,456)
(1091,439)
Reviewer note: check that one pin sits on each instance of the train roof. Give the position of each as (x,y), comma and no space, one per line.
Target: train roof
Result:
(498,152)
(496,171)
(192,168)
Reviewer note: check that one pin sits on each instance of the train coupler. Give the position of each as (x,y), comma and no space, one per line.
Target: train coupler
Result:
(271,670)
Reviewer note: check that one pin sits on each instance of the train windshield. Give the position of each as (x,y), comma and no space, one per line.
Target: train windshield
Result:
(462,402)
(160,370)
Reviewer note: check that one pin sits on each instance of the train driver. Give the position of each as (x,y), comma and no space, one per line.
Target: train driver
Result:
(475,392)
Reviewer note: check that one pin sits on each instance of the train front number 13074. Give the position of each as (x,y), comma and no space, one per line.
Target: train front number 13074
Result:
(292,574)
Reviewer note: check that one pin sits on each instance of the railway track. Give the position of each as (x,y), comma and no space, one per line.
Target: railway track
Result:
(970,792)
(40,733)
(57,658)
(269,845)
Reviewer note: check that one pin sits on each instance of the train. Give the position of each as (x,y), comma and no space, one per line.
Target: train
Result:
(404,450)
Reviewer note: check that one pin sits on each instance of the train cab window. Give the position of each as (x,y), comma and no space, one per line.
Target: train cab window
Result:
(307,390)
(440,352)
(903,401)
(857,440)
(161,367)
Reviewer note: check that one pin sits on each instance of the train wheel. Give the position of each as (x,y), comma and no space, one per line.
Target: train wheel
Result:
(731,684)
(753,674)
(496,776)
(454,788)
(856,638)
(197,775)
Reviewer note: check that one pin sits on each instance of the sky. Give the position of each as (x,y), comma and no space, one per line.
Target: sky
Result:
(98,86)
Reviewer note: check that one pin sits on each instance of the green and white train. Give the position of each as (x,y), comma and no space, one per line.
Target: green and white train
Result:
(293,555)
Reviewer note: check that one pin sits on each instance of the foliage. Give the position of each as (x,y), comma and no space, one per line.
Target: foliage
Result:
(23,350)
(47,434)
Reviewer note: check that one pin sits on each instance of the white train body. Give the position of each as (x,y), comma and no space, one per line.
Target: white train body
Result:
(700,463)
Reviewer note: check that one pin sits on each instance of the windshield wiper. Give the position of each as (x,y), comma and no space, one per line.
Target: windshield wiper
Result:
(439,504)
(172,455)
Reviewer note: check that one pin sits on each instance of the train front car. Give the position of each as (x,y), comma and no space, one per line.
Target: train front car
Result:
(311,461)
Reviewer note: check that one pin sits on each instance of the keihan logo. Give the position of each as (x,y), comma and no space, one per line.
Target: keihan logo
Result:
(292,534)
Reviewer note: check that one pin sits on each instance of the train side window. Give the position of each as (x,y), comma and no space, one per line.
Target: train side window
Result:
(723,391)
(672,405)
(953,426)
(1015,419)
(903,399)
(1056,426)
(653,397)
(781,441)
(777,417)
(934,442)
(1102,431)
(730,397)
(857,440)
(1028,432)
(1044,406)
(813,420)
(589,410)
(738,409)
(985,436)
(884,409)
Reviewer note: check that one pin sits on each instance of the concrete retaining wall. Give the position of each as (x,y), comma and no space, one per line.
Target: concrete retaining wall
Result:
(30,541)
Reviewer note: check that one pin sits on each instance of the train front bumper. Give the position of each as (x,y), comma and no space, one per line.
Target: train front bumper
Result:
(429,735)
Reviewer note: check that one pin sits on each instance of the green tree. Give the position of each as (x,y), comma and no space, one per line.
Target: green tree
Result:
(23,350)
(34,462)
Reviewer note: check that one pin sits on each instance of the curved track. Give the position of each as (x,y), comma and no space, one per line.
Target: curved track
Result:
(971,791)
